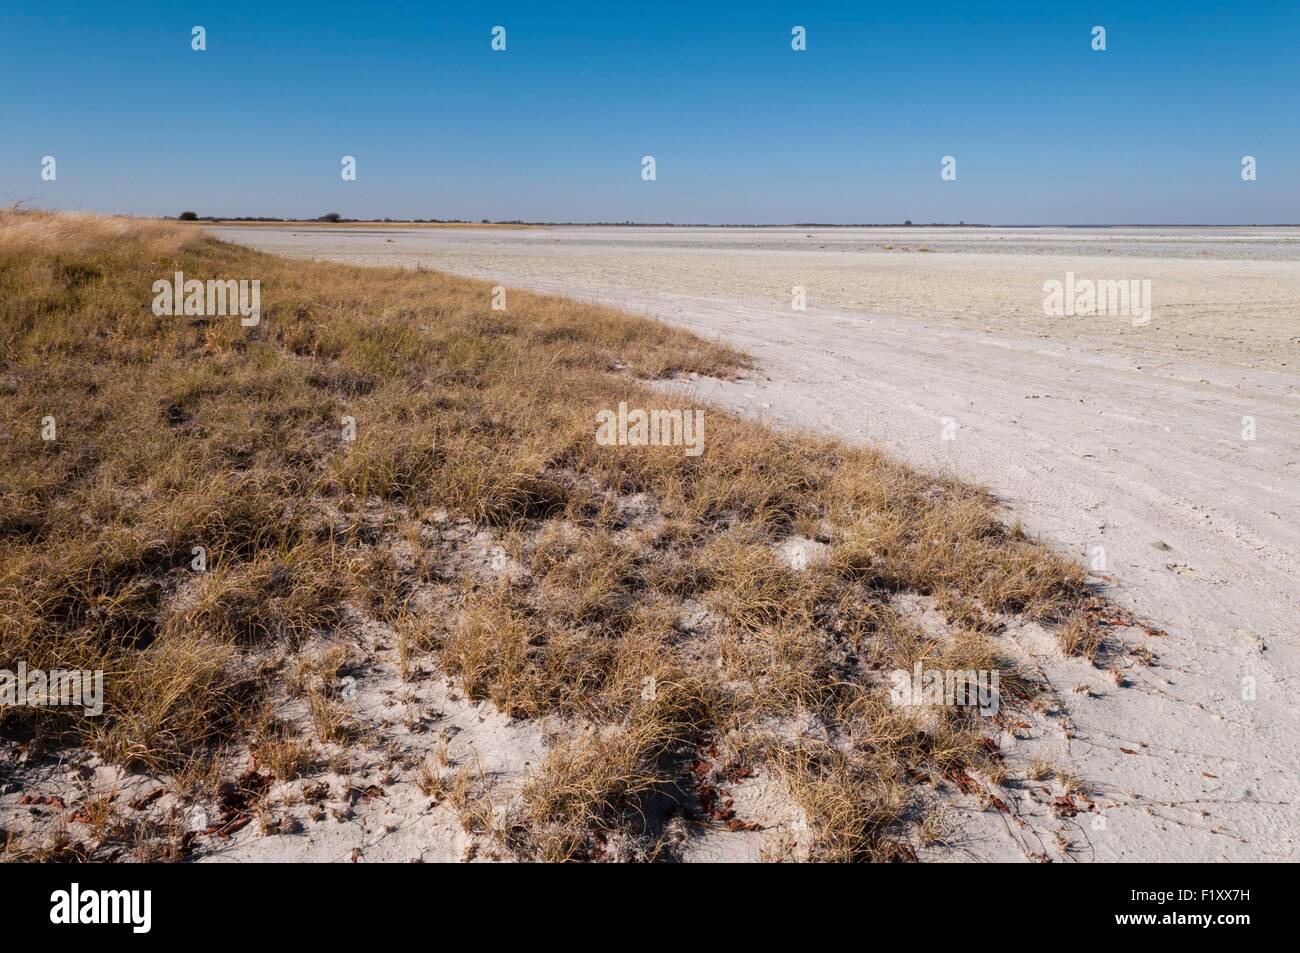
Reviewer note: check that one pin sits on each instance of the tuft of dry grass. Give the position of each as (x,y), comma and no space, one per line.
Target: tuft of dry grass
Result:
(851,804)
(601,780)
(1079,636)
(1041,769)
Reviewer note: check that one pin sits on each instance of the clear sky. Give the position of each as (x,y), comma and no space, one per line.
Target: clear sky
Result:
(743,129)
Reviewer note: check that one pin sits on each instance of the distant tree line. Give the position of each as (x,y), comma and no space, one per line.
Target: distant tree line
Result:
(335,217)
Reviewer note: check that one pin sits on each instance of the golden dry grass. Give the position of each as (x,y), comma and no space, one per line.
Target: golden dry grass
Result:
(184,432)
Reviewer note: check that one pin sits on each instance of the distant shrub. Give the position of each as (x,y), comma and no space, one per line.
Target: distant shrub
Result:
(188,216)
(331,217)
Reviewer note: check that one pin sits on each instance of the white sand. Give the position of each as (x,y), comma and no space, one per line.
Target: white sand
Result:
(1095,432)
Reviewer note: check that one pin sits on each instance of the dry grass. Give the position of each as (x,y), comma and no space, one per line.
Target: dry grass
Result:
(1079,636)
(176,433)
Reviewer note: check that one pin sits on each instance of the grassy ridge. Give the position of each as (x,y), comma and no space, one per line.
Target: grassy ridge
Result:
(184,432)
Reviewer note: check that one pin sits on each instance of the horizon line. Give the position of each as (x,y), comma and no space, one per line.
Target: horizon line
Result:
(326,220)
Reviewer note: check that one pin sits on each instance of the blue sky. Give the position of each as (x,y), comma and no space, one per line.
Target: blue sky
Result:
(743,129)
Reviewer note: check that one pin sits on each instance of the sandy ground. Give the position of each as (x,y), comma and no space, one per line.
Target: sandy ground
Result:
(1120,443)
